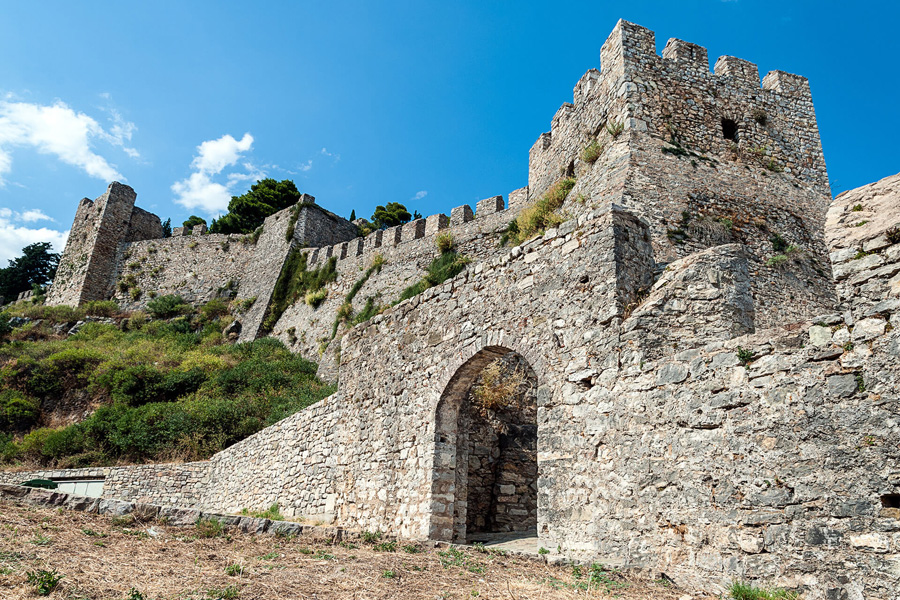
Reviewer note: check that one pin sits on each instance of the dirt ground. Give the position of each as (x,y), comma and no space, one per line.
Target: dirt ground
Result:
(105,558)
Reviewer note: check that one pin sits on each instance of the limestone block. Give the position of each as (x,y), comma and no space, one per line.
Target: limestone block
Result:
(392,235)
(373,240)
(412,230)
(198,229)
(181,231)
(489,206)
(820,336)
(461,214)
(435,223)
(868,329)
(518,198)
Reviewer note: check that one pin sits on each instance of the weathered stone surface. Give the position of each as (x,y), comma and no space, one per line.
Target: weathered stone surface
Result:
(694,412)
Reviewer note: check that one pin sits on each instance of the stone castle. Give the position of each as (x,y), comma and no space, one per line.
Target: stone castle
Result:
(708,345)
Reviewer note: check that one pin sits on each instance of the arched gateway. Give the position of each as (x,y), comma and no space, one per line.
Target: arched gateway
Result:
(485,460)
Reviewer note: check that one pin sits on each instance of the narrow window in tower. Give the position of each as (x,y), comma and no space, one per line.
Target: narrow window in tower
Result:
(890,501)
(729,130)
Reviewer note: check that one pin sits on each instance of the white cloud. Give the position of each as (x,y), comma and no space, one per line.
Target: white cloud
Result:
(419,195)
(306,166)
(30,216)
(14,236)
(60,131)
(215,155)
(199,190)
(333,155)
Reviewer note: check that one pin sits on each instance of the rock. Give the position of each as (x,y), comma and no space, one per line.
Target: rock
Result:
(868,329)
(842,385)
(820,336)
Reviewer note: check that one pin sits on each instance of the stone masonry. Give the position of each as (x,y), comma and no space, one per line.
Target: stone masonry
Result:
(708,402)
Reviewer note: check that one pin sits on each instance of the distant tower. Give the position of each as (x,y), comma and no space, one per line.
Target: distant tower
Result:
(87,267)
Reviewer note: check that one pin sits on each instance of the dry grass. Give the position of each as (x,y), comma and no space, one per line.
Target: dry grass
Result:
(102,561)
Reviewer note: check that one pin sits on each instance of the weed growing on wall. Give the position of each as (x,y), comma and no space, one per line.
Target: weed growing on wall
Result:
(541,215)
(444,267)
(295,282)
(592,152)
(345,311)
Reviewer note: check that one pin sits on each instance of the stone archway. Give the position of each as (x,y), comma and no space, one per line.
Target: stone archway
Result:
(485,466)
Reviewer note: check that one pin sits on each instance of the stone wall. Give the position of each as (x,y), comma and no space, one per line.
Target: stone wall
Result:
(198,268)
(166,484)
(308,330)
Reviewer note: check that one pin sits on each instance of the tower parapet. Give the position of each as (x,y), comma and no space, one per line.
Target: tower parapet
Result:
(87,267)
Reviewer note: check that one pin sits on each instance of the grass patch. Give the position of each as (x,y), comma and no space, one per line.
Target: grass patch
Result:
(444,267)
(745,591)
(592,152)
(273,513)
(43,582)
(540,216)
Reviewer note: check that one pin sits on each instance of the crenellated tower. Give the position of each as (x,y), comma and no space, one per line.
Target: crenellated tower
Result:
(705,158)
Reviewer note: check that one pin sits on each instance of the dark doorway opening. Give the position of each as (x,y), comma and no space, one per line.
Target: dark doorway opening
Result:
(488,424)
(729,130)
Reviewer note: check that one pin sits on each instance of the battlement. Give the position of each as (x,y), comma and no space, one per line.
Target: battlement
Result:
(428,227)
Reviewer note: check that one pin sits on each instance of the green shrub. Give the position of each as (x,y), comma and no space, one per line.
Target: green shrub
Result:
(101,308)
(17,412)
(442,268)
(5,327)
(615,128)
(294,282)
(444,242)
(592,152)
(542,214)
(273,513)
(43,582)
(170,305)
(892,235)
(212,310)
(745,356)
(316,298)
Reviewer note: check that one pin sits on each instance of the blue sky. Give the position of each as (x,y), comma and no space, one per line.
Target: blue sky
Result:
(432,104)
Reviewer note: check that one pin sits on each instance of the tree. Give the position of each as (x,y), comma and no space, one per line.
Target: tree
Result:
(36,266)
(193,221)
(167,228)
(353,215)
(391,215)
(248,211)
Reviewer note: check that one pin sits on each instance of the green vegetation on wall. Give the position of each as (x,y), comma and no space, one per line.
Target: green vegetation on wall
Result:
(296,282)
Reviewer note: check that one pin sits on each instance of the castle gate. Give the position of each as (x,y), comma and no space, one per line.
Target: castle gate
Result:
(485,459)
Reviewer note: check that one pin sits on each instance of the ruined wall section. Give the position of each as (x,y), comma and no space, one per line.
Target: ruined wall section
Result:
(198,268)
(317,227)
(863,232)
(87,266)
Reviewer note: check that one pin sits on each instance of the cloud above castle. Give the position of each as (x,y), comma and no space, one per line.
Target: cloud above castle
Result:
(209,188)
(60,131)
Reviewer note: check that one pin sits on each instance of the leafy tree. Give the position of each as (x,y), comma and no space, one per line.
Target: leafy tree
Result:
(36,266)
(167,228)
(248,211)
(353,215)
(193,221)
(391,215)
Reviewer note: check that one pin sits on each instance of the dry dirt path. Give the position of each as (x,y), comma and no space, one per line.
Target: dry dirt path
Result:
(104,558)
